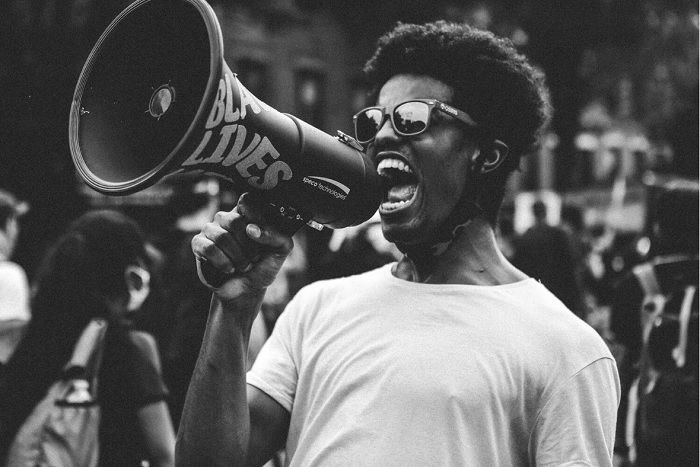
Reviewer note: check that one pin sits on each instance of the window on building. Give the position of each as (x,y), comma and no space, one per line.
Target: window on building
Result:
(254,76)
(309,97)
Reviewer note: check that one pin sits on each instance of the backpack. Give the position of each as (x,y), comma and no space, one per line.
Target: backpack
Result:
(63,428)
(662,416)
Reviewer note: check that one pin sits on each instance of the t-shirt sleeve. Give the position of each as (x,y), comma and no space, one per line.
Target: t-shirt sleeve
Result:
(576,426)
(145,384)
(14,292)
(275,369)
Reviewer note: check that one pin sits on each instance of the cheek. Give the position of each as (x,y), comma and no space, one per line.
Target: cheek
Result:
(442,195)
(451,190)
(448,179)
(446,176)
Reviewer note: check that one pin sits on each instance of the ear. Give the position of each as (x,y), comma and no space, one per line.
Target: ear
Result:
(491,156)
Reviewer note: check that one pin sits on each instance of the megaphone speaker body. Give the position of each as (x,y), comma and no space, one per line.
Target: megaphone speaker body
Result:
(155,98)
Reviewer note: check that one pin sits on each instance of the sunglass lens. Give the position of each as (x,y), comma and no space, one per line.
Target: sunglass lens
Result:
(411,118)
(367,124)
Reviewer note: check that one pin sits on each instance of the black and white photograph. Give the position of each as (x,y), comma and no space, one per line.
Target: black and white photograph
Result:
(295,233)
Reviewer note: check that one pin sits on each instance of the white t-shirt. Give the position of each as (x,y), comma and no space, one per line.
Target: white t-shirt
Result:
(14,292)
(378,371)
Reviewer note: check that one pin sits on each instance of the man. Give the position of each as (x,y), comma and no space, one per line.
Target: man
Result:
(14,286)
(450,356)
(546,252)
(667,432)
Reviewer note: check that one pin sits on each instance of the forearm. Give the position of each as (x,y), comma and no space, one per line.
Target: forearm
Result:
(215,424)
(158,434)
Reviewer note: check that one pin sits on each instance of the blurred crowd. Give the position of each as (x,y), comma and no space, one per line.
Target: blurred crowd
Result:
(147,287)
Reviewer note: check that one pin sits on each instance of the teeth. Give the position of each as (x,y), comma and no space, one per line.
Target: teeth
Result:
(393,164)
(391,206)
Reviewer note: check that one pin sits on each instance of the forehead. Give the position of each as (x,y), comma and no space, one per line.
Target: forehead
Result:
(401,87)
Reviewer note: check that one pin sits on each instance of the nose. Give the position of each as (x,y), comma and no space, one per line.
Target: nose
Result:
(386,131)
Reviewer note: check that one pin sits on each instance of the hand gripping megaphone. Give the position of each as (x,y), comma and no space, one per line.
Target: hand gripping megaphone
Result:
(156,98)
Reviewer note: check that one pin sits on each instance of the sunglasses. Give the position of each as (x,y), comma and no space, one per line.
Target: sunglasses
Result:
(408,118)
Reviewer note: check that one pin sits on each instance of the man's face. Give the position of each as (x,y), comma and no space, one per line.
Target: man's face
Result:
(425,173)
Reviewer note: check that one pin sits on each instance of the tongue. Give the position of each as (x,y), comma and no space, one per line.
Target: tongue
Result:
(401,193)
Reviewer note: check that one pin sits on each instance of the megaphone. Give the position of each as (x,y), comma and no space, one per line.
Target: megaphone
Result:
(155,98)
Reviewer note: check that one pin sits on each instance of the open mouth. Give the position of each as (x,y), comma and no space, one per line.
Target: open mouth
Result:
(400,183)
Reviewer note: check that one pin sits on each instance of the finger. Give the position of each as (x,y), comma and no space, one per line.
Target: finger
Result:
(235,223)
(238,243)
(213,278)
(259,210)
(234,243)
(207,252)
(279,243)
(265,224)
(254,208)
(227,219)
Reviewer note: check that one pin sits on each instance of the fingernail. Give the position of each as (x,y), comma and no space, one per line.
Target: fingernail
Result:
(253,230)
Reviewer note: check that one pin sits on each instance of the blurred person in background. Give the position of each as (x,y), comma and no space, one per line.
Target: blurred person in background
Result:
(98,268)
(573,224)
(599,258)
(14,285)
(449,356)
(357,249)
(546,252)
(506,236)
(674,262)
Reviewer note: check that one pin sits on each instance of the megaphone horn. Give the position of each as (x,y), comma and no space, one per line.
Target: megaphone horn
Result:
(156,98)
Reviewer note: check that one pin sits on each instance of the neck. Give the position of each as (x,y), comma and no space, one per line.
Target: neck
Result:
(471,257)
(5,250)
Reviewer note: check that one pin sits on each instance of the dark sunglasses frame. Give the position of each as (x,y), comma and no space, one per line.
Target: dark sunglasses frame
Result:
(432,105)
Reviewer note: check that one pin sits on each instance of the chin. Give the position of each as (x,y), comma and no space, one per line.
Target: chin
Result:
(405,233)
(413,223)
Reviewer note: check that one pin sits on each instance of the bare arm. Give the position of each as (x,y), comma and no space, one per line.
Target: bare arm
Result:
(158,433)
(11,333)
(223,421)
(154,419)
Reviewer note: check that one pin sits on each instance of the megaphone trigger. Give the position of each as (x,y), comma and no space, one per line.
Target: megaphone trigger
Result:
(238,244)
(286,219)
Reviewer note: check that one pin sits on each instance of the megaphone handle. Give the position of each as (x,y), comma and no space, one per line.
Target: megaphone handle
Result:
(285,219)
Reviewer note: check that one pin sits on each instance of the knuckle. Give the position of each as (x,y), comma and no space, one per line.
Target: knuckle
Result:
(219,216)
(224,218)
(194,243)
(198,243)
(243,207)
(209,229)
(208,249)
(250,206)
